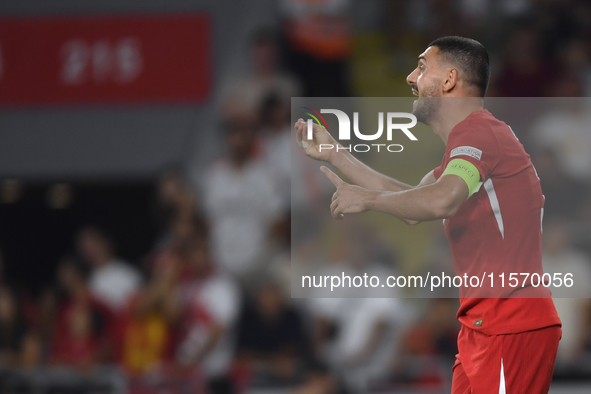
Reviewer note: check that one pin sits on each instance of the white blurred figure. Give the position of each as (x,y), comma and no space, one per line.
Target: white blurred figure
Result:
(367,331)
(367,326)
(112,280)
(247,93)
(565,131)
(240,202)
(573,304)
(207,309)
(277,144)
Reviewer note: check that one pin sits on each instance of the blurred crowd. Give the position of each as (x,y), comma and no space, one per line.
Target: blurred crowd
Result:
(209,306)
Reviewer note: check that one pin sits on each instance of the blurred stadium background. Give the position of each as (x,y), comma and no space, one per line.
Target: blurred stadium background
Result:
(145,202)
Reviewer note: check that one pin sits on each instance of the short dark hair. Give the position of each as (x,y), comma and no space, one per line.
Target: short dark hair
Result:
(469,56)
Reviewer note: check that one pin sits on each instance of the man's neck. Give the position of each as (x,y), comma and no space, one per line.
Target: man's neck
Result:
(452,111)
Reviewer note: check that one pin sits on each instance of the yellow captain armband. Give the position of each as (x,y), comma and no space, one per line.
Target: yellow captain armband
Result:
(467,171)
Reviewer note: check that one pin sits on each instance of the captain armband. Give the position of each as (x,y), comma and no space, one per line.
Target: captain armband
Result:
(467,171)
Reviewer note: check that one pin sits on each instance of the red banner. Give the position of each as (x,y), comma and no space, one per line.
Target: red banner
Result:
(105,59)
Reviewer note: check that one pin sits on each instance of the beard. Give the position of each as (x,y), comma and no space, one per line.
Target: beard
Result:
(427,106)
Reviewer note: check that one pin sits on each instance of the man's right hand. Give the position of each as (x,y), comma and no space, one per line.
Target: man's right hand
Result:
(312,147)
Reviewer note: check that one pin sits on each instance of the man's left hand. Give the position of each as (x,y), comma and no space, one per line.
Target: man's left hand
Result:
(348,198)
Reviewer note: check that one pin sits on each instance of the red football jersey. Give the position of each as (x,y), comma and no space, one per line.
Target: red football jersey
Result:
(498,230)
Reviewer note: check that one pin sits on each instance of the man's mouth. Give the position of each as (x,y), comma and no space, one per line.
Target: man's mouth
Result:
(415,91)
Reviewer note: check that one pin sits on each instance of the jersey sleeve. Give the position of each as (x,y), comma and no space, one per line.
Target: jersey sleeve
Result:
(438,171)
(478,146)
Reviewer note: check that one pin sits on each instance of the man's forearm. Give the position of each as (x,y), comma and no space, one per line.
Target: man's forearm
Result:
(428,201)
(362,175)
(415,205)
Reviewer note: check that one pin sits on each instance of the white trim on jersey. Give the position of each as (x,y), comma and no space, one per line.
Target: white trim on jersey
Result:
(494,203)
(502,383)
(514,135)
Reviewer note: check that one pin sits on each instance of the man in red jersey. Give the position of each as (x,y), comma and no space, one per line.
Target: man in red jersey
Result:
(488,193)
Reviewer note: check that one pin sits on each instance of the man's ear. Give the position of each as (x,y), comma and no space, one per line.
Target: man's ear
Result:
(450,81)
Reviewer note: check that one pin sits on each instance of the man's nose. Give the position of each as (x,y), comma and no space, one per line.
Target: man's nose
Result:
(411,79)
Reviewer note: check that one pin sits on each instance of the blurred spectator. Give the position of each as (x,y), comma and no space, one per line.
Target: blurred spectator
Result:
(355,336)
(48,316)
(173,198)
(320,42)
(112,280)
(277,143)
(240,201)
(206,310)
(31,354)
(575,60)
(247,94)
(271,337)
(565,131)
(525,72)
(573,304)
(279,264)
(13,329)
(83,336)
(170,259)
(147,333)
(427,345)
(568,84)
(564,196)
(77,346)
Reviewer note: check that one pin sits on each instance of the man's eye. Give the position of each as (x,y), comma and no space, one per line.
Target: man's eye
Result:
(421,68)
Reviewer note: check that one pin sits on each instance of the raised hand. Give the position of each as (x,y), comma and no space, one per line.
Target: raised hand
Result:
(348,198)
(312,147)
